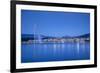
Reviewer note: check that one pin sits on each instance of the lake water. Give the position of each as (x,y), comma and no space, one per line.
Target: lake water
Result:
(45,52)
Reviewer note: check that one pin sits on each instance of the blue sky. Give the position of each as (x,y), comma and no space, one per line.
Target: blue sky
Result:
(56,24)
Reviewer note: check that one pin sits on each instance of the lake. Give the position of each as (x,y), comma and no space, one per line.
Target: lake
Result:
(45,52)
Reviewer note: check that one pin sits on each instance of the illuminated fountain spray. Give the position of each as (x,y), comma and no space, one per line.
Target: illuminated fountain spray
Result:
(39,39)
(34,32)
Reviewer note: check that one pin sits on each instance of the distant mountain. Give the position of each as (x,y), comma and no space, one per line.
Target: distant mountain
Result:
(83,36)
(66,37)
(26,37)
(79,36)
(49,37)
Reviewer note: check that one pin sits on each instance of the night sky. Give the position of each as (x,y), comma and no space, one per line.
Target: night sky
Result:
(56,24)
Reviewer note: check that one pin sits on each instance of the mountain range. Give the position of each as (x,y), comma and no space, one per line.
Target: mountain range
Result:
(26,37)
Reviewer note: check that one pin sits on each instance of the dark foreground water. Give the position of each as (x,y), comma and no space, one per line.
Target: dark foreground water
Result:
(54,52)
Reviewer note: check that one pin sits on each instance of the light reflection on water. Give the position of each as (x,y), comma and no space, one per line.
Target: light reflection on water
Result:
(55,52)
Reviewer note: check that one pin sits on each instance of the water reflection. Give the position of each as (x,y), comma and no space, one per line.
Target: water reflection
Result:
(55,51)
(78,46)
(61,46)
(45,46)
(55,46)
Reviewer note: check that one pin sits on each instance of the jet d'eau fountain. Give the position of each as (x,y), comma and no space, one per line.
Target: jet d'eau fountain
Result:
(37,36)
